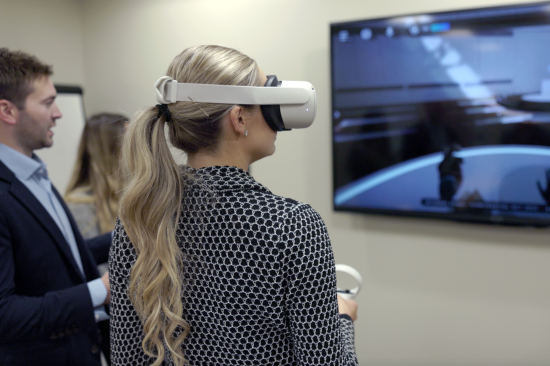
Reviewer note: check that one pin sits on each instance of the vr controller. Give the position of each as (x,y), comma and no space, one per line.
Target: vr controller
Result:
(349,294)
(285,104)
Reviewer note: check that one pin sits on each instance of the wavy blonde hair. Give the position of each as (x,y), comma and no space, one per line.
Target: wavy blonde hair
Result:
(151,203)
(96,175)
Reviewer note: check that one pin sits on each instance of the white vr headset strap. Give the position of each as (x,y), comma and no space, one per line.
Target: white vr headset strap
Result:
(168,90)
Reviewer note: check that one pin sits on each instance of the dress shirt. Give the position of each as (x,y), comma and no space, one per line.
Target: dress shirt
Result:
(33,174)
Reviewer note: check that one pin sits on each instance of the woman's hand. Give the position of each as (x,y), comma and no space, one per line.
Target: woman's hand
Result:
(348,307)
(105,279)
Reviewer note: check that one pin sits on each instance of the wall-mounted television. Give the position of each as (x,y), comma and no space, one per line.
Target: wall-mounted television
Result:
(444,115)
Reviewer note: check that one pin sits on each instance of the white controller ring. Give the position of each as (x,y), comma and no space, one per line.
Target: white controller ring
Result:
(349,294)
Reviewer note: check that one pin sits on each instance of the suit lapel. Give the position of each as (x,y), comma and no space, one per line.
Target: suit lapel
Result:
(35,208)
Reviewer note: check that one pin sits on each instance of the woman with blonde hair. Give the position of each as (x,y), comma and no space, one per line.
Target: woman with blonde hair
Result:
(207,266)
(92,193)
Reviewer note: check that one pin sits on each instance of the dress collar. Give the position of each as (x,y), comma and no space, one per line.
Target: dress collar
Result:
(224,178)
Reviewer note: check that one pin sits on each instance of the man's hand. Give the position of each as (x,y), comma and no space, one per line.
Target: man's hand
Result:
(348,307)
(105,280)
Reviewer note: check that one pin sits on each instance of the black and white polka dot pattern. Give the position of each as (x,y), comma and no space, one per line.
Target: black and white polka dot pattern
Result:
(260,284)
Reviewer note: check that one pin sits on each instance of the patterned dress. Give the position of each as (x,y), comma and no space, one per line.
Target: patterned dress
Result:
(259,280)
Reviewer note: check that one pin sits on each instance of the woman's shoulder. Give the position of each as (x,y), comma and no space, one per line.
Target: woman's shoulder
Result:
(82,211)
(286,208)
(85,216)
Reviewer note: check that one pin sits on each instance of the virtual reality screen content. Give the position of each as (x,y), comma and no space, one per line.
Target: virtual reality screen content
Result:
(444,115)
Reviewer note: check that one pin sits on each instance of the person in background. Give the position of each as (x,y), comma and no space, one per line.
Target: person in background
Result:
(51,295)
(207,266)
(92,193)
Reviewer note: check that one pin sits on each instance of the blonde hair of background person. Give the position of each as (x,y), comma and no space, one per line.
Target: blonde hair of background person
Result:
(92,193)
(212,135)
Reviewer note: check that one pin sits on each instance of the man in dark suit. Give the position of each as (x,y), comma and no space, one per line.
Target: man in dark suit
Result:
(52,301)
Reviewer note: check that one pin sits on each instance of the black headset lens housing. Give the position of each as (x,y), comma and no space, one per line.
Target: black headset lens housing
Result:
(272,113)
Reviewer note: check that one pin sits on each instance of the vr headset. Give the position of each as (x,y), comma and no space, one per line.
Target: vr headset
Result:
(285,104)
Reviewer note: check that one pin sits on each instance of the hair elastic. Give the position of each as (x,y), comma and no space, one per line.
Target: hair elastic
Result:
(164,111)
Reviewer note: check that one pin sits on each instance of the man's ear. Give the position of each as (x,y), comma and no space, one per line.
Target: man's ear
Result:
(9,113)
(237,120)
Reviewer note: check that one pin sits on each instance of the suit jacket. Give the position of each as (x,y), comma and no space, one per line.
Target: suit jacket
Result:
(46,312)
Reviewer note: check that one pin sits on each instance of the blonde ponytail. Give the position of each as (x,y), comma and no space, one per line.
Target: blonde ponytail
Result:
(149,210)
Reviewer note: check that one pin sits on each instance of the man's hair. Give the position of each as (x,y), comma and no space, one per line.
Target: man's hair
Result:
(17,72)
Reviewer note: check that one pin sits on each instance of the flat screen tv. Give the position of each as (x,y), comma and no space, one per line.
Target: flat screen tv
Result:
(444,115)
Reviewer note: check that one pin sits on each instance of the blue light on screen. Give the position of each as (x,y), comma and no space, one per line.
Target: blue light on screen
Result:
(440,27)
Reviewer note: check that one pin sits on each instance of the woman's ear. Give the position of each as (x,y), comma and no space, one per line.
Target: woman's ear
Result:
(8,112)
(237,119)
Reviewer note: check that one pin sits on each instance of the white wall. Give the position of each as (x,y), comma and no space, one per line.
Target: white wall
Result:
(51,30)
(435,293)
